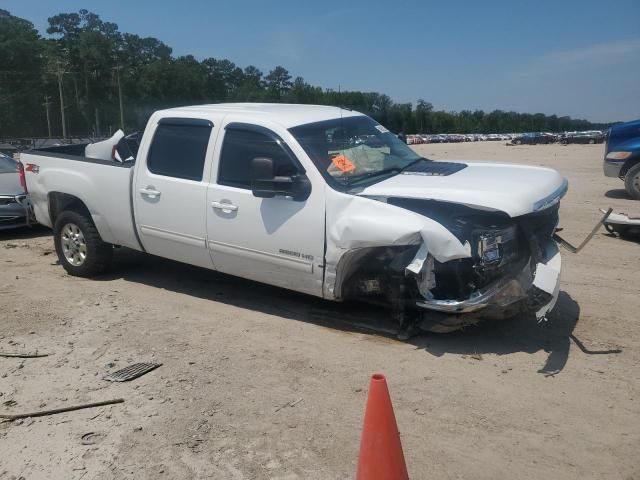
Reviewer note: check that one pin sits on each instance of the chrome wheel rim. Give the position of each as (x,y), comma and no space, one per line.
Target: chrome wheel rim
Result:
(636,182)
(73,244)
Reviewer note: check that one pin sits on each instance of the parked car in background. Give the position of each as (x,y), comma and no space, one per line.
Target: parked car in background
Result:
(582,137)
(622,156)
(534,138)
(14,209)
(8,149)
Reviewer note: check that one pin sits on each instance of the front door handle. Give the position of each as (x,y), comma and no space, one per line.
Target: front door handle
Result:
(225,207)
(150,192)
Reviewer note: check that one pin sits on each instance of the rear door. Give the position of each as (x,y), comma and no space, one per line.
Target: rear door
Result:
(170,190)
(277,240)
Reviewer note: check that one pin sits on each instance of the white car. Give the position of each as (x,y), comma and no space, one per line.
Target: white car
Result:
(287,195)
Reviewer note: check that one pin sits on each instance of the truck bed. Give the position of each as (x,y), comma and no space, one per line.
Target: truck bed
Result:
(103,186)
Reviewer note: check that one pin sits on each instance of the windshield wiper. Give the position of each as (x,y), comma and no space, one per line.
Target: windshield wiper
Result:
(376,173)
(411,164)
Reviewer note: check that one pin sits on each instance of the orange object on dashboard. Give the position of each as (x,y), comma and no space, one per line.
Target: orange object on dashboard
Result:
(343,163)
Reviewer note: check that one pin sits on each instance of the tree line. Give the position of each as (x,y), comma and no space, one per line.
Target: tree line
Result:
(85,69)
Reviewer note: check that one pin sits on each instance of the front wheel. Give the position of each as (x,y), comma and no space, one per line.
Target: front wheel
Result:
(632,182)
(80,249)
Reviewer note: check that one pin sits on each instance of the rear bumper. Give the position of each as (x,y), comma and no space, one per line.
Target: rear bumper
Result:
(14,215)
(612,168)
(7,222)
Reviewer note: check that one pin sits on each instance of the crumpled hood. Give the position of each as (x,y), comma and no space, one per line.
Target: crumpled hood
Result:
(513,189)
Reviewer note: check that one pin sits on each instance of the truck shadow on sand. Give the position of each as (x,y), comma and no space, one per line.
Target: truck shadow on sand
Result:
(617,194)
(520,334)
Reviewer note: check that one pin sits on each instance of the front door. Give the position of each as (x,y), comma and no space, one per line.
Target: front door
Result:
(277,240)
(170,191)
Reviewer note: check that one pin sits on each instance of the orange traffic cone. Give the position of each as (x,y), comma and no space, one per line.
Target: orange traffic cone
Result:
(381,456)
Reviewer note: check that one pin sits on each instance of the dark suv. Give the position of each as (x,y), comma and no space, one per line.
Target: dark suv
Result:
(533,139)
(622,156)
(582,137)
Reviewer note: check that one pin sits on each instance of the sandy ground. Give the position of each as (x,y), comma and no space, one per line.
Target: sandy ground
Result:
(261,383)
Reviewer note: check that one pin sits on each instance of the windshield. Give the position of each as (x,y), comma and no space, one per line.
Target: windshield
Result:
(353,150)
(8,164)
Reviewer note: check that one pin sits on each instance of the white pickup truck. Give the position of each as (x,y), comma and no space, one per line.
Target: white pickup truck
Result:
(316,199)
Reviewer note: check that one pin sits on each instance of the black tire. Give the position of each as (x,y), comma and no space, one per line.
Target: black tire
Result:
(632,182)
(591,141)
(96,256)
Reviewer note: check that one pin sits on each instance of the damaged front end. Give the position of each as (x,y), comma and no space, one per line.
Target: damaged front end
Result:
(511,265)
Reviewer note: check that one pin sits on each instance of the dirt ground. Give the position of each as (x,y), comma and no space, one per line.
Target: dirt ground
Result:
(262,383)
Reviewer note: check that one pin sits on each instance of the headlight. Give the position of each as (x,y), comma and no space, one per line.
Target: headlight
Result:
(489,249)
(496,247)
(618,155)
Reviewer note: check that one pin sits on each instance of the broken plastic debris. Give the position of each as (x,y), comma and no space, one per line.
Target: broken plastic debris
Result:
(131,372)
(103,150)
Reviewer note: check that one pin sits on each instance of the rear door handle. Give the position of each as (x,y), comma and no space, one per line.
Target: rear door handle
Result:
(225,207)
(150,192)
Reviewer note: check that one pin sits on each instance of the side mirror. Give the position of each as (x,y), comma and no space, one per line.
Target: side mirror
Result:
(265,184)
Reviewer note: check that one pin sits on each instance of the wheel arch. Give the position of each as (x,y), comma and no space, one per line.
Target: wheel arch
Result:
(60,202)
(628,164)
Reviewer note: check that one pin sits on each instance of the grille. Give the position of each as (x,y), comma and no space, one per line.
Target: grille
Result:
(541,224)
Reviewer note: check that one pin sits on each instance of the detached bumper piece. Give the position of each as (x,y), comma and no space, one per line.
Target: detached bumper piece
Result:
(577,249)
(625,225)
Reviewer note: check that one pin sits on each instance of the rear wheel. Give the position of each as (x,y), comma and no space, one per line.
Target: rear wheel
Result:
(80,249)
(591,141)
(632,182)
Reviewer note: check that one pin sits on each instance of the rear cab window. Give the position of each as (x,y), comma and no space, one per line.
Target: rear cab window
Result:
(179,148)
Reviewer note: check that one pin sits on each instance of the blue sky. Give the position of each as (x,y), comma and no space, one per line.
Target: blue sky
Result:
(578,58)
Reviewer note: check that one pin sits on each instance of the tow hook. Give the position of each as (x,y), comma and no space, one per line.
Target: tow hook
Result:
(573,249)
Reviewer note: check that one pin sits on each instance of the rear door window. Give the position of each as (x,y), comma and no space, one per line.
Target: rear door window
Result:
(179,148)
